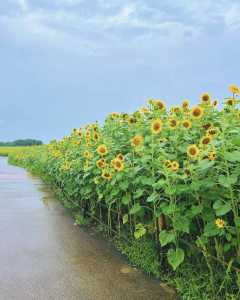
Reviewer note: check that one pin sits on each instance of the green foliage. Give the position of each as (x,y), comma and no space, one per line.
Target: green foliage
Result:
(21,143)
(148,177)
(80,219)
(141,253)
(166,237)
(5,151)
(140,231)
(175,257)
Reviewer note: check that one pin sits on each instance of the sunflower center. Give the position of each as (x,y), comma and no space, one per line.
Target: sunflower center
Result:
(197,112)
(206,141)
(192,151)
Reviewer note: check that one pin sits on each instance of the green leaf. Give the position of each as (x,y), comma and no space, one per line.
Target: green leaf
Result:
(236,141)
(181,188)
(159,184)
(166,237)
(126,199)
(226,247)
(175,257)
(170,190)
(196,210)
(140,231)
(153,197)
(124,185)
(221,208)
(227,181)
(182,147)
(195,186)
(147,181)
(125,219)
(135,209)
(211,229)
(237,221)
(181,223)
(114,192)
(138,193)
(232,156)
(205,164)
(168,209)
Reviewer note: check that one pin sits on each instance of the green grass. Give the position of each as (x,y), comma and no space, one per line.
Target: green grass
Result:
(5,151)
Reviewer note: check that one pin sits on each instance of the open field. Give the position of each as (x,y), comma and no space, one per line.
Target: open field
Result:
(5,151)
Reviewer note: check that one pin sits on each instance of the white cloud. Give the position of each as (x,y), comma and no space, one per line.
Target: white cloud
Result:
(125,12)
(74,28)
(68,2)
(207,12)
(62,25)
(232,17)
(23,4)
(33,27)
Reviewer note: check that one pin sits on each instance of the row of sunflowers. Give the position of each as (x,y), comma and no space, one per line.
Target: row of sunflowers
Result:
(169,174)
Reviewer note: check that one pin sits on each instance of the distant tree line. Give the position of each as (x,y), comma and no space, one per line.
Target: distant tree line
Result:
(25,142)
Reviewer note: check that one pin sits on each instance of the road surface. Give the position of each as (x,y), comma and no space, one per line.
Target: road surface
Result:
(43,256)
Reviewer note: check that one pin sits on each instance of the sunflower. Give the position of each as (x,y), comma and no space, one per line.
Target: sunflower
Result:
(175,109)
(137,140)
(206,126)
(101,163)
(88,134)
(120,156)
(205,140)
(205,98)
(118,164)
(132,120)
(106,175)
(95,127)
(187,124)
(212,132)
(220,223)
(234,89)
(174,166)
(144,110)
(114,115)
(214,103)
(197,112)
(88,138)
(187,171)
(160,104)
(212,155)
(125,116)
(156,126)
(231,101)
(87,154)
(102,150)
(96,136)
(192,151)
(167,163)
(185,104)
(172,123)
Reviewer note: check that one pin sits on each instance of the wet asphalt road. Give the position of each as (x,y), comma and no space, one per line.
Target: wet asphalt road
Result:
(43,256)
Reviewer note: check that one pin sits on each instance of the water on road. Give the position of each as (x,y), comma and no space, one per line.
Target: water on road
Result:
(43,256)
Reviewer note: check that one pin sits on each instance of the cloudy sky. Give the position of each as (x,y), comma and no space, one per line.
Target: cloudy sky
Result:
(64,63)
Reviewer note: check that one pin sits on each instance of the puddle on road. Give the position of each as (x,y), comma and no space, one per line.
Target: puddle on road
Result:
(44,256)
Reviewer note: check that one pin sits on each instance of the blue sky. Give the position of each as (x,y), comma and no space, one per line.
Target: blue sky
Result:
(64,63)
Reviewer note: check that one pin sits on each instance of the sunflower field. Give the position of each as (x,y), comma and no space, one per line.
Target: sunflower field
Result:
(170,176)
